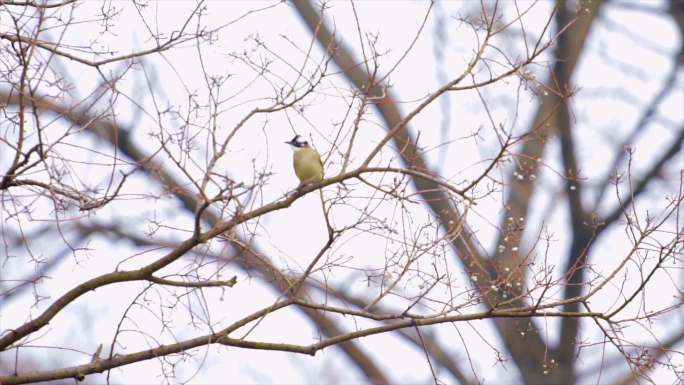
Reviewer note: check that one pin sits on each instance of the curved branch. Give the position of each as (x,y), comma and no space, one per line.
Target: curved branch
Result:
(222,337)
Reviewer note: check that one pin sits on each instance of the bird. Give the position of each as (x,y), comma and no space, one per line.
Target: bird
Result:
(306,161)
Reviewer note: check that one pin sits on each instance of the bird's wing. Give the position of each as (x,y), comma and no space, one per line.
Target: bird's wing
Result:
(320,162)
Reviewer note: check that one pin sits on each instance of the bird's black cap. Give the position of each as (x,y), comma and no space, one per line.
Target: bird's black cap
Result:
(295,142)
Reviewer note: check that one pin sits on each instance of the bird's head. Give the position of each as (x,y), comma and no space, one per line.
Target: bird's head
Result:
(297,143)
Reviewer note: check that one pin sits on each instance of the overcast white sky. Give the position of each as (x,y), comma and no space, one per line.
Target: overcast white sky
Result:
(608,100)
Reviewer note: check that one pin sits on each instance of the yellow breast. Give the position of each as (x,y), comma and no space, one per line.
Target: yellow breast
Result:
(308,165)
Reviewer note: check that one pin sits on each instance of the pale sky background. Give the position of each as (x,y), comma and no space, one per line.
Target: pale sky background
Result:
(608,99)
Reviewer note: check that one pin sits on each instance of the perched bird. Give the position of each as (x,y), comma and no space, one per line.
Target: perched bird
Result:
(306,160)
